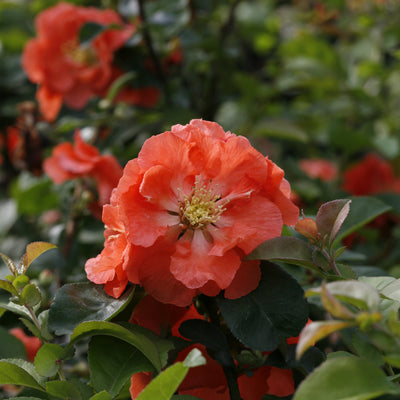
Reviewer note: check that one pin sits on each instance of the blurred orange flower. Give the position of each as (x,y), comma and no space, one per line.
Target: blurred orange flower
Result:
(78,160)
(371,175)
(319,168)
(31,343)
(67,70)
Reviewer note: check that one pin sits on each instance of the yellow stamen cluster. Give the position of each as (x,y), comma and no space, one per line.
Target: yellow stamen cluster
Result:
(84,55)
(200,208)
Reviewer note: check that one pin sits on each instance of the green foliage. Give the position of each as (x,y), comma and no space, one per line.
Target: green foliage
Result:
(264,317)
(79,302)
(302,80)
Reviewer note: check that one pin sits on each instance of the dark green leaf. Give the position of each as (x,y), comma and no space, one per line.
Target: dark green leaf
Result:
(78,302)
(200,331)
(10,346)
(275,310)
(89,31)
(112,362)
(285,249)
(346,378)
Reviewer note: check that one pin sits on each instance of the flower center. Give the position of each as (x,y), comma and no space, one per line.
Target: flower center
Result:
(200,208)
(80,54)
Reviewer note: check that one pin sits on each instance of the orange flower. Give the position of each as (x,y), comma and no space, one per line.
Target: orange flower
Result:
(194,203)
(372,175)
(318,168)
(83,160)
(31,343)
(67,70)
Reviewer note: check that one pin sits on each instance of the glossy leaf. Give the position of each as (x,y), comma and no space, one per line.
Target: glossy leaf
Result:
(362,211)
(316,331)
(285,249)
(19,372)
(47,359)
(138,339)
(78,302)
(112,362)
(346,378)
(275,310)
(15,308)
(164,385)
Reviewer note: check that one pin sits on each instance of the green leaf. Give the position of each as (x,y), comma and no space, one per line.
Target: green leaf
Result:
(138,339)
(365,348)
(6,285)
(285,249)
(15,308)
(20,281)
(331,216)
(280,128)
(164,385)
(89,31)
(30,295)
(118,84)
(47,359)
(362,211)
(101,396)
(357,293)
(346,378)
(34,195)
(19,372)
(112,362)
(209,335)
(63,390)
(10,346)
(78,302)
(275,310)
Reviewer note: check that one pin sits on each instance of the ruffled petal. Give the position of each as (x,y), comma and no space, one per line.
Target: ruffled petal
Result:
(192,265)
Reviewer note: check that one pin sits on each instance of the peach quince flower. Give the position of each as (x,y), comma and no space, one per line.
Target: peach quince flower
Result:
(191,207)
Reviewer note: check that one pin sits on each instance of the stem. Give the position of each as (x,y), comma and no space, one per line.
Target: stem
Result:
(231,378)
(34,318)
(149,42)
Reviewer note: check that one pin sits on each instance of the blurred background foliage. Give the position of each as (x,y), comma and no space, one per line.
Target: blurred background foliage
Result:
(301,79)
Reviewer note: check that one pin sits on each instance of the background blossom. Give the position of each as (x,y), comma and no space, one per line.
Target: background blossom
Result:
(82,160)
(73,72)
